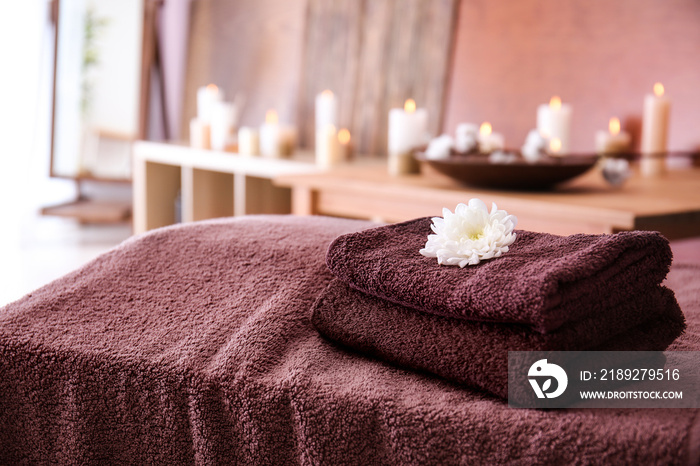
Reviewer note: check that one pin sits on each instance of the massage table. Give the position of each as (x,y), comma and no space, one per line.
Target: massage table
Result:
(192,344)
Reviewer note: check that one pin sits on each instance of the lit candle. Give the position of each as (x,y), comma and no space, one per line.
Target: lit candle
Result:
(248,141)
(485,129)
(200,126)
(655,132)
(223,119)
(326,110)
(612,141)
(488,140)
(554,122)
(206,97)
(326,134)
(270,136)
(555,146)
(328,150)
(276,141)
(655,121)
(407,130)
(345,144)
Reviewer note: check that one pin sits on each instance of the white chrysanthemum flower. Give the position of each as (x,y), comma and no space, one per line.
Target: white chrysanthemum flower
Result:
(470,234)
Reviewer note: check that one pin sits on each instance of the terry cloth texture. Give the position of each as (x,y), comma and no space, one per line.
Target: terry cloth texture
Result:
(193,345)
(475,354)
(543,281)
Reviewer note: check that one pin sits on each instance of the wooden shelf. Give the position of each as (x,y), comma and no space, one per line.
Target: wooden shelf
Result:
(91,211)
(208,183)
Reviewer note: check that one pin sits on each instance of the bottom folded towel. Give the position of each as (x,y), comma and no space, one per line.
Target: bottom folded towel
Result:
(474,353)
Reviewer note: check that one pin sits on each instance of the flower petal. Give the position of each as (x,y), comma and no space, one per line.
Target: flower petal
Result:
(478,204)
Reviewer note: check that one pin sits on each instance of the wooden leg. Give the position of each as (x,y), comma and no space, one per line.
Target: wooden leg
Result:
(187,194)
(155,189)
(239,194)
(139,199)
(304,201)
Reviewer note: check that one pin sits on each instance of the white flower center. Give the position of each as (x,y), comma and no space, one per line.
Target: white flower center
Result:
(475,234)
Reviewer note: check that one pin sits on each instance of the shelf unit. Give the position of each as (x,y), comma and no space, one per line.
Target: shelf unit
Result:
(210,184)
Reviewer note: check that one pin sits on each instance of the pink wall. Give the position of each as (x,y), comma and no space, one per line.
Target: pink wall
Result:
(601,56)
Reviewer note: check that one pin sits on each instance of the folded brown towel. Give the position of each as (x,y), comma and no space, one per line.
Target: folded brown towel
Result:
(475,353)
(543,281)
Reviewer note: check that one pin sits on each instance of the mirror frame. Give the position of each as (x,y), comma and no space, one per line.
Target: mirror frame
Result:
(148,59)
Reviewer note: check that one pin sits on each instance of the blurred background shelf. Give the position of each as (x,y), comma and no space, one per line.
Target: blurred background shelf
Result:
(174,182)
(669,204)
(88,211)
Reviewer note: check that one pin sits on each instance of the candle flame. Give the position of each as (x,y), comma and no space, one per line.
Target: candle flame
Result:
(485,128)
(212,88)
(614,126)
(555,145)
(555,103)
(271,117)
(658,89)
(327,93)
(410,106)
(344,136)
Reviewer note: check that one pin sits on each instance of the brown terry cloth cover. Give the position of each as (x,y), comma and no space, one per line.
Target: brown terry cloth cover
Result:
(474,353)
(193,344)
(543,280)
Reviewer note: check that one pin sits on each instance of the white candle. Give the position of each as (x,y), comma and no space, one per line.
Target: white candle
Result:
(657,108)
(326,110)
(328,150)
(407,130)
(248,141)
(655,122)
(612,141)
(206,97)
(488,140)
(325,115)
(200,134)
(223,117)
(270,136)
(554,122)
(276,141)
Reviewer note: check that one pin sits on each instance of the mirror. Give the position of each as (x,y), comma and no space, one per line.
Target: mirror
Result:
(97,88)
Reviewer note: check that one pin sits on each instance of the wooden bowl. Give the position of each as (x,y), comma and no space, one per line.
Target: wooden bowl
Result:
(519,174)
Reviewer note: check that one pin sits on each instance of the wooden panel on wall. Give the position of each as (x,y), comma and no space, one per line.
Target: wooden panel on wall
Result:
(374,54)
(601,56)
(253,47)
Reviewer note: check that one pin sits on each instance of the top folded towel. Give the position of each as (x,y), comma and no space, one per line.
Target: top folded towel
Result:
(543,281)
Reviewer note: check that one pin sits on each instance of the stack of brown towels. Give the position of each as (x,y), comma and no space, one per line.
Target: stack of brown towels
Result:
(547,293)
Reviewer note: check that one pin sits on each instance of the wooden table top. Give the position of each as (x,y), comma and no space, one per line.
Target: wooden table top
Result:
(641,203)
